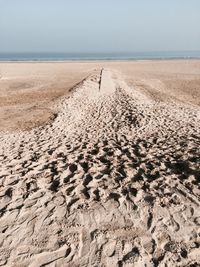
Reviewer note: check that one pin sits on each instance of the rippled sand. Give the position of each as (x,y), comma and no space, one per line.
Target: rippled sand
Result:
(112,179)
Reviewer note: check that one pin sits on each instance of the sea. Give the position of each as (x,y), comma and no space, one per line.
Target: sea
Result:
(44,56)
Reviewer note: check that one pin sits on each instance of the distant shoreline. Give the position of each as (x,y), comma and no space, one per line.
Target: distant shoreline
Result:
(121,56)
(93,60)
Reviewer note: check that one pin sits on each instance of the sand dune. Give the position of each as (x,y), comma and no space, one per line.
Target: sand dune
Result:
(112,180)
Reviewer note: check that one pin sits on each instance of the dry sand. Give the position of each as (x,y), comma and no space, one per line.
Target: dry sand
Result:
(109,176)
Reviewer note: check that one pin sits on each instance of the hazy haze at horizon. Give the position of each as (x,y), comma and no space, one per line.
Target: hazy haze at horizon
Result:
(99,26)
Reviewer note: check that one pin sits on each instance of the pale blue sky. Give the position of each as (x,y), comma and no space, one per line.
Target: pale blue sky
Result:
(99,25)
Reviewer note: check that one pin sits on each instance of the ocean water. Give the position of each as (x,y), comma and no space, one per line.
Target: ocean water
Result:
(98,56)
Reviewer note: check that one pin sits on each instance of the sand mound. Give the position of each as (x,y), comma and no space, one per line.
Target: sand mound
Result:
(112,181)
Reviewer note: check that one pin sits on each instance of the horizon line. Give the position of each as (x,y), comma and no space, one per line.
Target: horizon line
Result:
(99,52)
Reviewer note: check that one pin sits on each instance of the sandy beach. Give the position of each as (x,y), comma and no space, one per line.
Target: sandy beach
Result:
(99,163)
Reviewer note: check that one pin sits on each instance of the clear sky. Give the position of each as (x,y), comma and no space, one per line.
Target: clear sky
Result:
(99,25)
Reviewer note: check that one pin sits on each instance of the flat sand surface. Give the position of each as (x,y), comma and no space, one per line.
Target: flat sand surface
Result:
(27,90)
(100,163)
